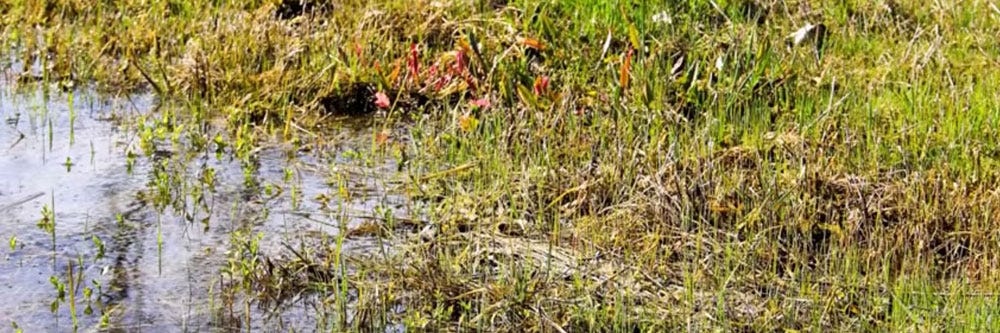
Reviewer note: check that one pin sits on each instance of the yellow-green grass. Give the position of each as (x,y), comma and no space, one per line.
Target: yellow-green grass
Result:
(693,173)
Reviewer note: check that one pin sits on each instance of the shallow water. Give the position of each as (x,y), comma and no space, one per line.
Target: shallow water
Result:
(161,269)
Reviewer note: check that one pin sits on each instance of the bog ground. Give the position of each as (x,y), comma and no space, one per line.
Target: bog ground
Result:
(551,166)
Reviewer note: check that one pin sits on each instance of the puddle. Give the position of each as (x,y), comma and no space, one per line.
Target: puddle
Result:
(161,269)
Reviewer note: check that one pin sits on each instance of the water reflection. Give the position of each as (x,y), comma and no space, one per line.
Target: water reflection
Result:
(148,267)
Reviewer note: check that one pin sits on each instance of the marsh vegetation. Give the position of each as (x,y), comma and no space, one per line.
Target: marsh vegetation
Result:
(487,165)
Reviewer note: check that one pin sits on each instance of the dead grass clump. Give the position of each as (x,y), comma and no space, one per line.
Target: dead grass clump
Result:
(824,213)
(513,281)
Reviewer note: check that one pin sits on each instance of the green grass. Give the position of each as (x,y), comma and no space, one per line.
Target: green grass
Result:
(851,189)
